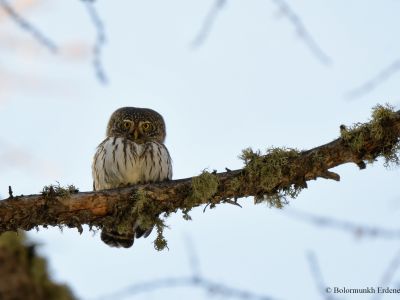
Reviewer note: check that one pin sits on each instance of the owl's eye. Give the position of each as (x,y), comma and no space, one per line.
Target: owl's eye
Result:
(146,126)
(126,124)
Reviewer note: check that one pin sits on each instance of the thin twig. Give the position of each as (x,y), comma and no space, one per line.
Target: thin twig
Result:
(208,23)
(232,202)
(388,275)
(99,43)
(193,258)
(318,278)
(302,31)
(195,280)
(28,27)
(358,229)
(10,192)
(375,81)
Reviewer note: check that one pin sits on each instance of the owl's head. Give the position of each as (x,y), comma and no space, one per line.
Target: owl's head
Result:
(140,125)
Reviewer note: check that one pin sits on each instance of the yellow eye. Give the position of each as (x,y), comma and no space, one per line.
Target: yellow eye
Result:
(146,126)
(126,124)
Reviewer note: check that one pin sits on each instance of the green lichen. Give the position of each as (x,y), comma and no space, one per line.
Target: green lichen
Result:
(376,132)
(147,215)
(272,174)
(51,195)
(58,190)
(146,212)
(203,188)
(138,210)
(235,184)
(160,243)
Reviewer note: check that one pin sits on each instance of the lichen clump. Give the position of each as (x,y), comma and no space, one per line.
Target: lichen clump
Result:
(271,175)
(58,190)
(139,211)
(147,215)
(203,188)
(160,243)
(362,136)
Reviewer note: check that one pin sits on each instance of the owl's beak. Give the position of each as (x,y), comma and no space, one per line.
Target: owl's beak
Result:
(135,134)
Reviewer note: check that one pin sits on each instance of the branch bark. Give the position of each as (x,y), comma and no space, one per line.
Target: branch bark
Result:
(58,206)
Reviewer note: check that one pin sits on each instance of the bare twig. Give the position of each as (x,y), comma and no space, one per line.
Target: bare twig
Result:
(28,27)
(388,275)
(350,227)
(208,23)
(195,280)
(193,258)
(213,288)
(302,31)
(375,81)
(285,10)
(10,192)
(317,275)
(99,43)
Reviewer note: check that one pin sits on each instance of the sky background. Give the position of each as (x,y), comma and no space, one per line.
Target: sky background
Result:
(254,82)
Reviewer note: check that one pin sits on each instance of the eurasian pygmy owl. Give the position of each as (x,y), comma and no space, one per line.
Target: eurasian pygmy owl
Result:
(133,152)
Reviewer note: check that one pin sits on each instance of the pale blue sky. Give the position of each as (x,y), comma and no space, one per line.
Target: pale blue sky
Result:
(253,83)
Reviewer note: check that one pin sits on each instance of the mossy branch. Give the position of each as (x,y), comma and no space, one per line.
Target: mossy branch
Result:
(273,177)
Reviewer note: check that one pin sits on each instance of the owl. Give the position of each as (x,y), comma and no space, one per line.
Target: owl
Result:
(132,153)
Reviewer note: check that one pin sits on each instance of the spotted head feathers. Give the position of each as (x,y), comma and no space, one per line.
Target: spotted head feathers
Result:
(141,125)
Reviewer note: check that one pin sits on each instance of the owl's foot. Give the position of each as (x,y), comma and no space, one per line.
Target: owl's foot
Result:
(139,232)
(115,239)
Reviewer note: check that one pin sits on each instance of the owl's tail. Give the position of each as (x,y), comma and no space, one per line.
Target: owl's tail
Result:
(115,239)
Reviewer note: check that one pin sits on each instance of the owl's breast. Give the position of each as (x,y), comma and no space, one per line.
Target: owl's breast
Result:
(120,162)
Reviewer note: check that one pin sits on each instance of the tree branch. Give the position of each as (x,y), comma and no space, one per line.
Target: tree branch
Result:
(274,177)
